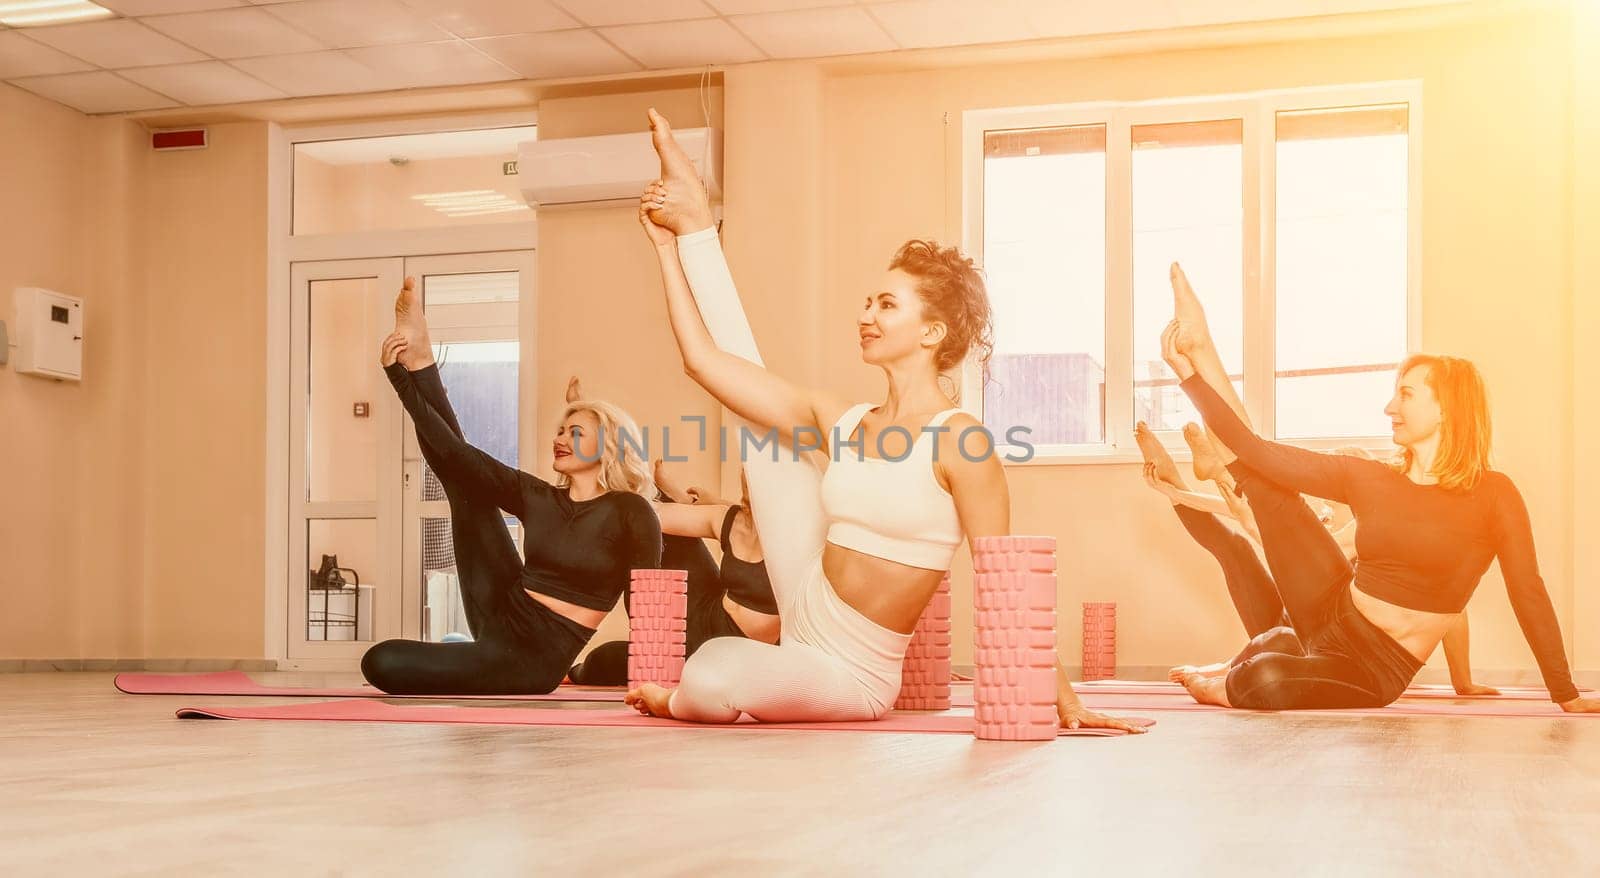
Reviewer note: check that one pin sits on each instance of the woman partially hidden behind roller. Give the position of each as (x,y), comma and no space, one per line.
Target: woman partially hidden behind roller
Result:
(1428,527)
(583,536)
(854,557)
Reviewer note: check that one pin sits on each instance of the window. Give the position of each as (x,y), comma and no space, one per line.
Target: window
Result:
(1291,212)
(409,181)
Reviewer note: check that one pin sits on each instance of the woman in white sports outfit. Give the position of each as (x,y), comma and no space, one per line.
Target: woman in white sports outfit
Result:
(854,556)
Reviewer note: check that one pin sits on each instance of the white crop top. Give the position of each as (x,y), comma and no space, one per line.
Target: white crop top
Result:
(888,508)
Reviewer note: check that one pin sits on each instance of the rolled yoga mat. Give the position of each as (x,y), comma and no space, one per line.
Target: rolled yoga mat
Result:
(1014,638)
(380,712)
(657,627)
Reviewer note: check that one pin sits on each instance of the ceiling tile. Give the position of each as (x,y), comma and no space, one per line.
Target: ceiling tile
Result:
(451,62)
(131,8)
(209,82)
(488,18)
(235,33)
(916,24)
(557,55)
(313,73)
(683,43)
(97,92)
(749,7)
(117,43)
(350,23)
(599,13)
(1066,18)
(813,33)
(20,56)
(1232,11)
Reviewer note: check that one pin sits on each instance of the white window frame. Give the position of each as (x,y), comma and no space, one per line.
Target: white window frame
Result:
(1258,112)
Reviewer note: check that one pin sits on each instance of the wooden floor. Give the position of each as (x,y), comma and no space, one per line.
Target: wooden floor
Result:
(95,782)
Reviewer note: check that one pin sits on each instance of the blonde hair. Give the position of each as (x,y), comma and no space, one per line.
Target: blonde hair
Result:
(619,470)
(1465,431)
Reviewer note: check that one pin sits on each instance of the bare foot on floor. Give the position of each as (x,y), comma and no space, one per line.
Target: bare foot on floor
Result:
(1156,455)
(1207,462)
(1207,690)
(685,205)
(410,323)
(1215,669)
(650,700)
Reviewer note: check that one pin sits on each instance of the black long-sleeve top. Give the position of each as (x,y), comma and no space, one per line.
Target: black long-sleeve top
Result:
(1422,547)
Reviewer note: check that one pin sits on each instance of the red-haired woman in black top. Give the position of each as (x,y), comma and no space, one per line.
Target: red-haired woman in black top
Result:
(1428,527)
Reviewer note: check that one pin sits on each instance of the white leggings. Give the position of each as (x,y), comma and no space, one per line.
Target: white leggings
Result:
(832,663)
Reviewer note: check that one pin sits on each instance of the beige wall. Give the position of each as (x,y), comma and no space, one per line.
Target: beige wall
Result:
(204,356)
(1585,333)
(825,174)
(134,500)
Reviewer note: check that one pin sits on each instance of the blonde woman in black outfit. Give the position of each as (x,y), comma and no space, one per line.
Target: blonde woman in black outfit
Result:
(584,535)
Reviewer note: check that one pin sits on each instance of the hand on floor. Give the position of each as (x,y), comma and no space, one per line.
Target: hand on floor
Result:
(1080,717)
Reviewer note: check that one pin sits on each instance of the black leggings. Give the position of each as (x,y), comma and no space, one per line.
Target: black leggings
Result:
(1310,647)
(519,645)
(607,664)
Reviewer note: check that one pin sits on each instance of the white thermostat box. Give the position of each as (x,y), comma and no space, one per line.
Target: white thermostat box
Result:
(49,334)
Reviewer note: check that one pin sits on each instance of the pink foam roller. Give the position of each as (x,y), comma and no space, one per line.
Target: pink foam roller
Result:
(658,602)
(925,670)
(1099,640)
(1014,597)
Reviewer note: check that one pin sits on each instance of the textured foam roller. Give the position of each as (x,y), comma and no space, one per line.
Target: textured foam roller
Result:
(658,602)
(1099,640)
(1014,634)
(925,671)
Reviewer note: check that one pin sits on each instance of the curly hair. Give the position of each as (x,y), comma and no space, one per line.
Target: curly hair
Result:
(953,293)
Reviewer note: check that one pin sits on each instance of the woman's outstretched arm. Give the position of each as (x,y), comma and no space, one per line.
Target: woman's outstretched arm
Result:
(743,385)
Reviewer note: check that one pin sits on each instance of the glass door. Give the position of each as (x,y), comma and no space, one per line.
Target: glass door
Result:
(369,533)
(344,546)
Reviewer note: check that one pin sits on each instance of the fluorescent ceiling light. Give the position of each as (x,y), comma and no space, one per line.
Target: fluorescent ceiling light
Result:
(31,13)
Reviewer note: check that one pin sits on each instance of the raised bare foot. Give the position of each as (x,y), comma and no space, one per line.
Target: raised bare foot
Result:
(650,700)
(1215,669)
(410,323)
(574,389)
(1187,310)
(1156,455)
(1207,690)
(685,205)
(1207,462)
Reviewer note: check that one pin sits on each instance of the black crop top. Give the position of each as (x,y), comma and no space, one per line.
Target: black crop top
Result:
(745,582)
(580,551)
(1423,547)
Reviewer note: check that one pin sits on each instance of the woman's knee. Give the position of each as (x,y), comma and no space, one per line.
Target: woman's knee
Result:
(713,667)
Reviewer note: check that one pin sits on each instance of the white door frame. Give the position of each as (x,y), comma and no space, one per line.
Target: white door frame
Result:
(283,251)
(386,620)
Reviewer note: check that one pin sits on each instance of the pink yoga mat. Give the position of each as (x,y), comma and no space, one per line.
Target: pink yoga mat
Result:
(380,712)
(1150,687)
(239,683)
(1104,701)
